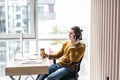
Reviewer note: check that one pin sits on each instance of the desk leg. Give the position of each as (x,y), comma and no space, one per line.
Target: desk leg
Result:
(19,77)
(38,77)
(12,77)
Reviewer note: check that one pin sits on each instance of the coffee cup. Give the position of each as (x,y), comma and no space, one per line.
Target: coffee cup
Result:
(42,53)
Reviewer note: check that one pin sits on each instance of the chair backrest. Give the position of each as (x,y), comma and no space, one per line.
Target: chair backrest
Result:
(78,65)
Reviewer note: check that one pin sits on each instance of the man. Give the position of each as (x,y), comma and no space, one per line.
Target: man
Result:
(71,51)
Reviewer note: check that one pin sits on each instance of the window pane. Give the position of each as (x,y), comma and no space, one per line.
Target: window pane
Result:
(68,13)
(2,17)
(8,49)
(18,19)
(3,51)
(14,16)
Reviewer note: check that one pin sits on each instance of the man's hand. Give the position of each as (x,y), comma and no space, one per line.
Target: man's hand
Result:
(43,55)
(73,40)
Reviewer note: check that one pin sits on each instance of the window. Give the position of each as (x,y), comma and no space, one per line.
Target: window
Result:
(42,24)
(16,20)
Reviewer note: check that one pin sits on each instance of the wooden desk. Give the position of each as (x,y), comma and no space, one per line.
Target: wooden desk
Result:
(20,67)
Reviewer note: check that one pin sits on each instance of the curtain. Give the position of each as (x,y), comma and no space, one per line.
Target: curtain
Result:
(105,40)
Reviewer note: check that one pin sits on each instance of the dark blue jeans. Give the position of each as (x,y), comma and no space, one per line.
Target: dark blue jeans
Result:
(57,72)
